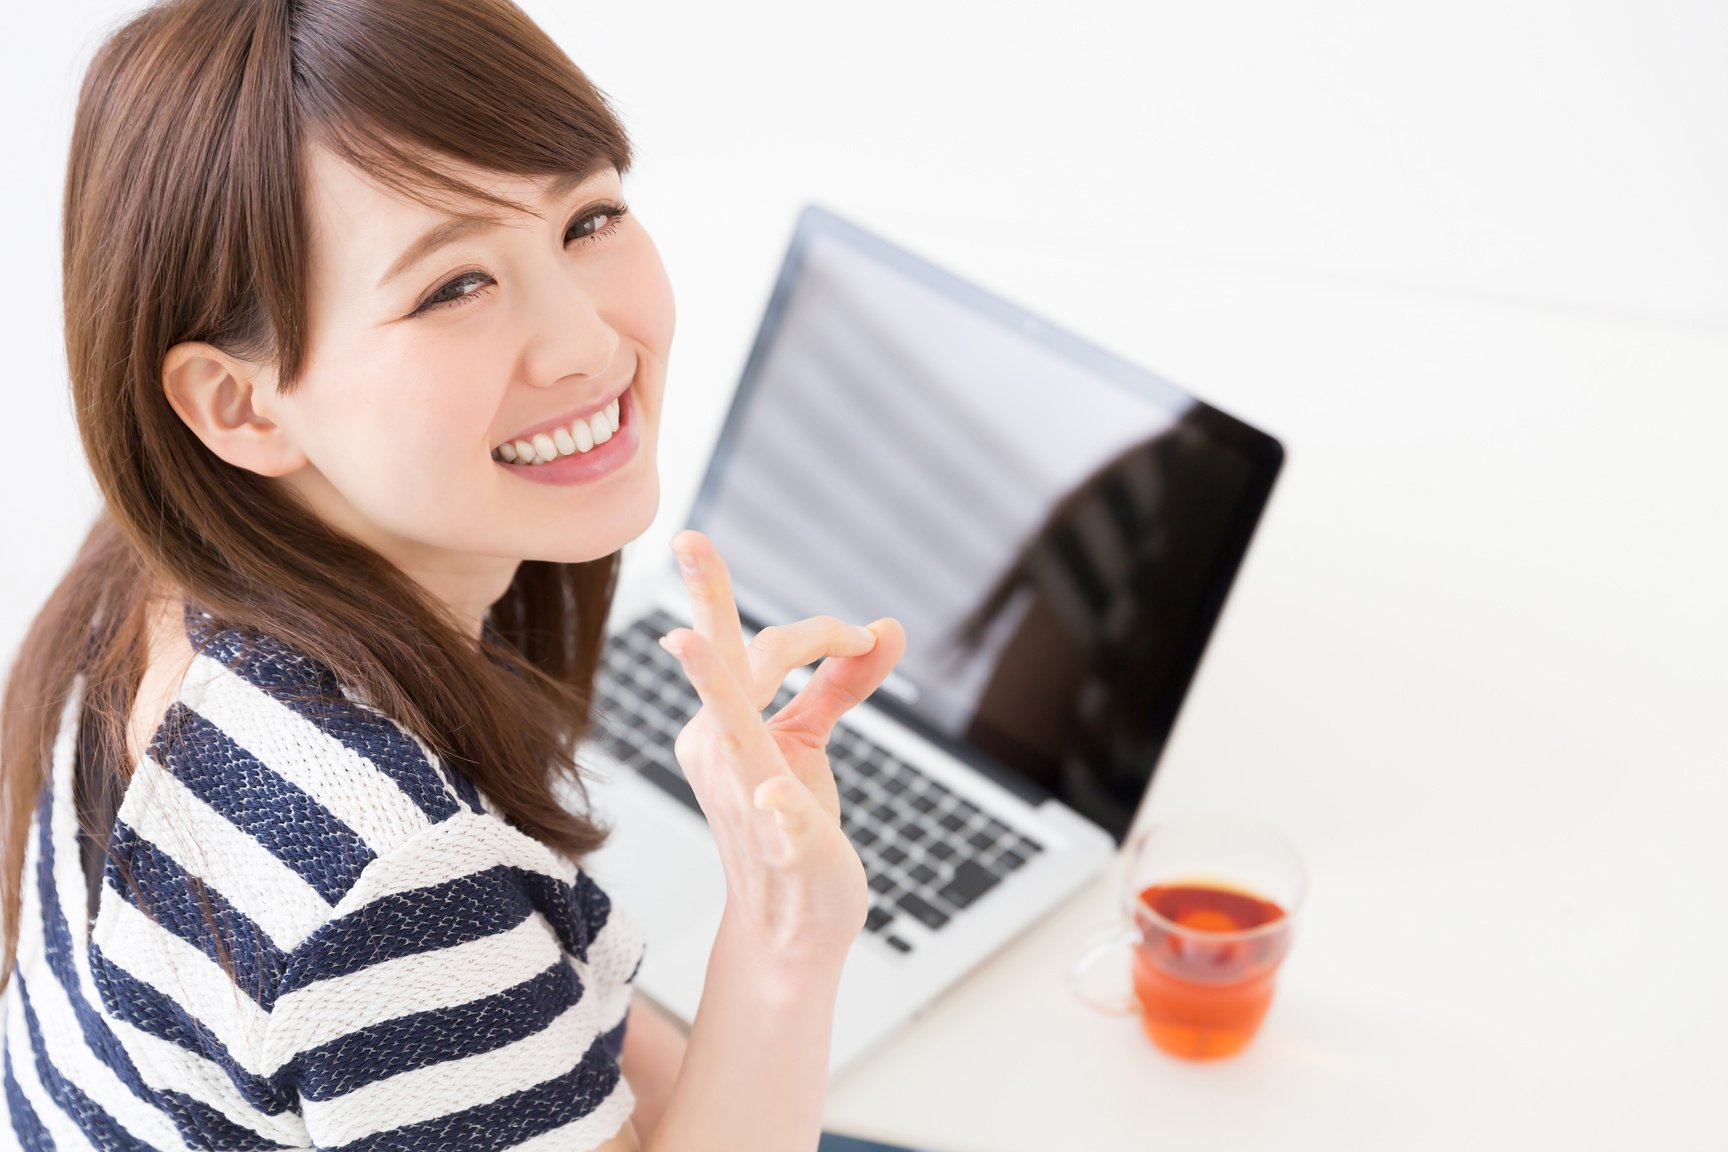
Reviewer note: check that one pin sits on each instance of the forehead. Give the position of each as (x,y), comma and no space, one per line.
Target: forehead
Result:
(357,221)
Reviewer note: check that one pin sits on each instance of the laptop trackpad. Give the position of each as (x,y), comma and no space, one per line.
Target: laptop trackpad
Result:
(661,865)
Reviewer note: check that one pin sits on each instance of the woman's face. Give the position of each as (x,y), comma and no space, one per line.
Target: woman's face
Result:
(436,336)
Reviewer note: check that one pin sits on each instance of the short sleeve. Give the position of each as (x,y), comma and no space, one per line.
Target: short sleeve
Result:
(469,992)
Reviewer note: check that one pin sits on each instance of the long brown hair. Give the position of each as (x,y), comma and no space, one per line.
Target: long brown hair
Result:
(185,219)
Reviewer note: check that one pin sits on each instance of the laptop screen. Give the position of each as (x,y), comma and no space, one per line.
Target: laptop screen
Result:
(1054,528)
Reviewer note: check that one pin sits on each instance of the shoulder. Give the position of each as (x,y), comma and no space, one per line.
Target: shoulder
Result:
(306,741)
(268,775)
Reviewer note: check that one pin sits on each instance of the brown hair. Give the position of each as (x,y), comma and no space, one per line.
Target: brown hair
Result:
(185,219)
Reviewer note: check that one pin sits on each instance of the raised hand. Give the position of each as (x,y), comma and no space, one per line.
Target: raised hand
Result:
(793,880)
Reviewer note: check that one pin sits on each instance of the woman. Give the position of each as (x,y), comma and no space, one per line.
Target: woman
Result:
(368,356)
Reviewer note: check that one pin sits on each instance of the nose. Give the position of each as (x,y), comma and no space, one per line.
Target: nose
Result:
(567,338)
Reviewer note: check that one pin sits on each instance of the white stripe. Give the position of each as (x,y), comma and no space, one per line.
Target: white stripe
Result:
(166,1066)
(460,846)
(334,1007)
(69,879)
(155,956)
(78,1064)
(612,956)
(66,1134)
(454,1085)
(62,1037)
(354,790)
(591,1130)
(211,847)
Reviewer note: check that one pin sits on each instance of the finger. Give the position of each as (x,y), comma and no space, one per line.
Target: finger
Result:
(776,650)
(713,612)
(841,685)
(741,739)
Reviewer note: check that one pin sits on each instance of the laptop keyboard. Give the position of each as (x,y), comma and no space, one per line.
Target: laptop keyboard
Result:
(929,853)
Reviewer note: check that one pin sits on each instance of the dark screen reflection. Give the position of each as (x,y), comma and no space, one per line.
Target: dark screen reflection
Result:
(1052,536)
(1086,689)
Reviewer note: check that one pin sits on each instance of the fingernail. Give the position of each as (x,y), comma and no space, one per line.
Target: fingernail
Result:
(864,635)
(686,562)
(664,643)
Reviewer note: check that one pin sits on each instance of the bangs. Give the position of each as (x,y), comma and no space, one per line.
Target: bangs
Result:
(399,88)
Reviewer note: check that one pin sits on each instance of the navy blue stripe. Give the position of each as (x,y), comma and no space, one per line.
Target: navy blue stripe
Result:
(466,790)
(57,950)
(202,1126)
(163,1017)
(426,919)
(101,1129)
(311,689)
(26,1125)
(195,912)
(426,1038)
(615,1038)
(297,830)
(392,752)
(509,1120)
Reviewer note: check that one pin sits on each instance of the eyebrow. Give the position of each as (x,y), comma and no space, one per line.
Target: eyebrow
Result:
(454,228)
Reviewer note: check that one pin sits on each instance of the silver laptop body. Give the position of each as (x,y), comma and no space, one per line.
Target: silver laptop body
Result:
(1054,528)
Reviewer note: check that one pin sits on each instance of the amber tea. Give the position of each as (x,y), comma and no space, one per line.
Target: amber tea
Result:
(1203,971)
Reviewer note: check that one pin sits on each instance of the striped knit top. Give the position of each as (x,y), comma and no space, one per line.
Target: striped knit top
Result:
(310,934)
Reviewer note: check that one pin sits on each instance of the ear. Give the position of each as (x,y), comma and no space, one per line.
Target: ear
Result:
(223,400)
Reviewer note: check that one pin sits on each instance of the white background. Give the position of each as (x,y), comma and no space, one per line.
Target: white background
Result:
(1470,262)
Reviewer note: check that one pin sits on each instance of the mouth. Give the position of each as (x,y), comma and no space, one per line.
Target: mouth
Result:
(582,465)
(576,432)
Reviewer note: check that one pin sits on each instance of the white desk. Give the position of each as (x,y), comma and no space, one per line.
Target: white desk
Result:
(1475,667)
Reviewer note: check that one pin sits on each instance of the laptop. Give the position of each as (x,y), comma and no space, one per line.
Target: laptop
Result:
(1056,530)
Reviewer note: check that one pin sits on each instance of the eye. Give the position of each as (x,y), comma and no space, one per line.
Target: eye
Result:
(611,213)
(457,291)
(469,286)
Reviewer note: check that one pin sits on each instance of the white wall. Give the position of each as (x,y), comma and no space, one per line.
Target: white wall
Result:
(1525,156)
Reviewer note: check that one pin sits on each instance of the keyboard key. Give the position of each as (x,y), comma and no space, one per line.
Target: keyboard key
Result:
(922,873)
(877,919)
(899,944)
(891,854)
(924,802)
(971,880)
(953,821)
(1012,860)
(926,914)
(940,850)
(881,882)
(981,840)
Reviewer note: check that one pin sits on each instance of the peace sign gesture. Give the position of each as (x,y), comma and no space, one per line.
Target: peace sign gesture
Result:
(793,879)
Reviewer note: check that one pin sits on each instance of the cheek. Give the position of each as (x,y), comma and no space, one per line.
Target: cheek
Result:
(643,305)
(399,427)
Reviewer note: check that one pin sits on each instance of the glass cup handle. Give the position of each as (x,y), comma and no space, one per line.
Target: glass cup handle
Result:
(1101,944)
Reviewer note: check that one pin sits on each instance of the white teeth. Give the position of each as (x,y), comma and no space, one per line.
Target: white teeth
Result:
(582,436)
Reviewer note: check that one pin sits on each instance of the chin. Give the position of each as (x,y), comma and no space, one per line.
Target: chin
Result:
(593,537)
